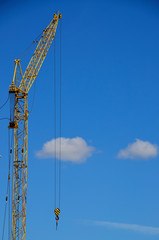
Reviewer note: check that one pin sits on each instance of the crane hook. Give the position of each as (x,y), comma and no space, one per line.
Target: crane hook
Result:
(57,212)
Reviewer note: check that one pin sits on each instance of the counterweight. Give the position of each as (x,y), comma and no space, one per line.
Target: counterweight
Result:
(19,89)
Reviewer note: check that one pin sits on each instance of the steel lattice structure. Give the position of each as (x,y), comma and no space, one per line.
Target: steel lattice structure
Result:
(19,89)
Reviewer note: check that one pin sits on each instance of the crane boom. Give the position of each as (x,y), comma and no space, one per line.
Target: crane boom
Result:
(39,55)
(18,90)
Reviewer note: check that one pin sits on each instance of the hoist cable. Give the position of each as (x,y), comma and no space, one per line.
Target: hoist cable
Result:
(57,144)
(4,103)
(5,212)
(9,208)
(10,151)
(60,112)
(55,115)
(7,193)
(11,139)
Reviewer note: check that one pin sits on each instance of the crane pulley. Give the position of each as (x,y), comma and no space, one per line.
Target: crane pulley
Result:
(18,91)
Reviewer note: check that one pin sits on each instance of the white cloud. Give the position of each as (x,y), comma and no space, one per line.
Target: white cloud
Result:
(133,227)
(139,150)
(72,149)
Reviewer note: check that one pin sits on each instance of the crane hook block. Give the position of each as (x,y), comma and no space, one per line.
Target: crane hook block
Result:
(57,212)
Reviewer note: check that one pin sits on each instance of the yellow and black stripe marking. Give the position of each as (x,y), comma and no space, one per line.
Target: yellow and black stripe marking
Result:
(57,211)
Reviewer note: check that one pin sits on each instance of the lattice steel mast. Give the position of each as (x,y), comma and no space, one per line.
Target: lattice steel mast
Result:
(18,90)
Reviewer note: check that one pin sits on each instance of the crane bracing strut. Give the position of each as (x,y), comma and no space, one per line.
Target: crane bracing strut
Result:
(18,91)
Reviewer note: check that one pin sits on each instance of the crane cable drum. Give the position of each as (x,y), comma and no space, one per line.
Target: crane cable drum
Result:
(57,164)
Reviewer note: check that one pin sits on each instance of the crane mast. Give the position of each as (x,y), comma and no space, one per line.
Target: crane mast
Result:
(18,90)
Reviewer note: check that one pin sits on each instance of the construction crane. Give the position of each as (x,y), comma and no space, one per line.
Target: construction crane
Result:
(19,113)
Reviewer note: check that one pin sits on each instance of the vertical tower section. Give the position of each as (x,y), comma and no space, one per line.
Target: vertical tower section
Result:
(19,121)
(20,170)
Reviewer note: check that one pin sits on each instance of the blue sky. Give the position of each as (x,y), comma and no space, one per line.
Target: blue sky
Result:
(109,99)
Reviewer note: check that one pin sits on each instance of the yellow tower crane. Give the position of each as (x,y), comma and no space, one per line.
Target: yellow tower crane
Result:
(18,90)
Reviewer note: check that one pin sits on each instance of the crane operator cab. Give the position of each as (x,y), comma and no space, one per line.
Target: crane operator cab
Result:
(57,212)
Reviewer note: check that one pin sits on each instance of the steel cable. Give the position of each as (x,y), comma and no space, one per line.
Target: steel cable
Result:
(4,118)
(33,98)
(23,54)
(55,114)
(7,193)
(60,111)
(11,139)
(4,103)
